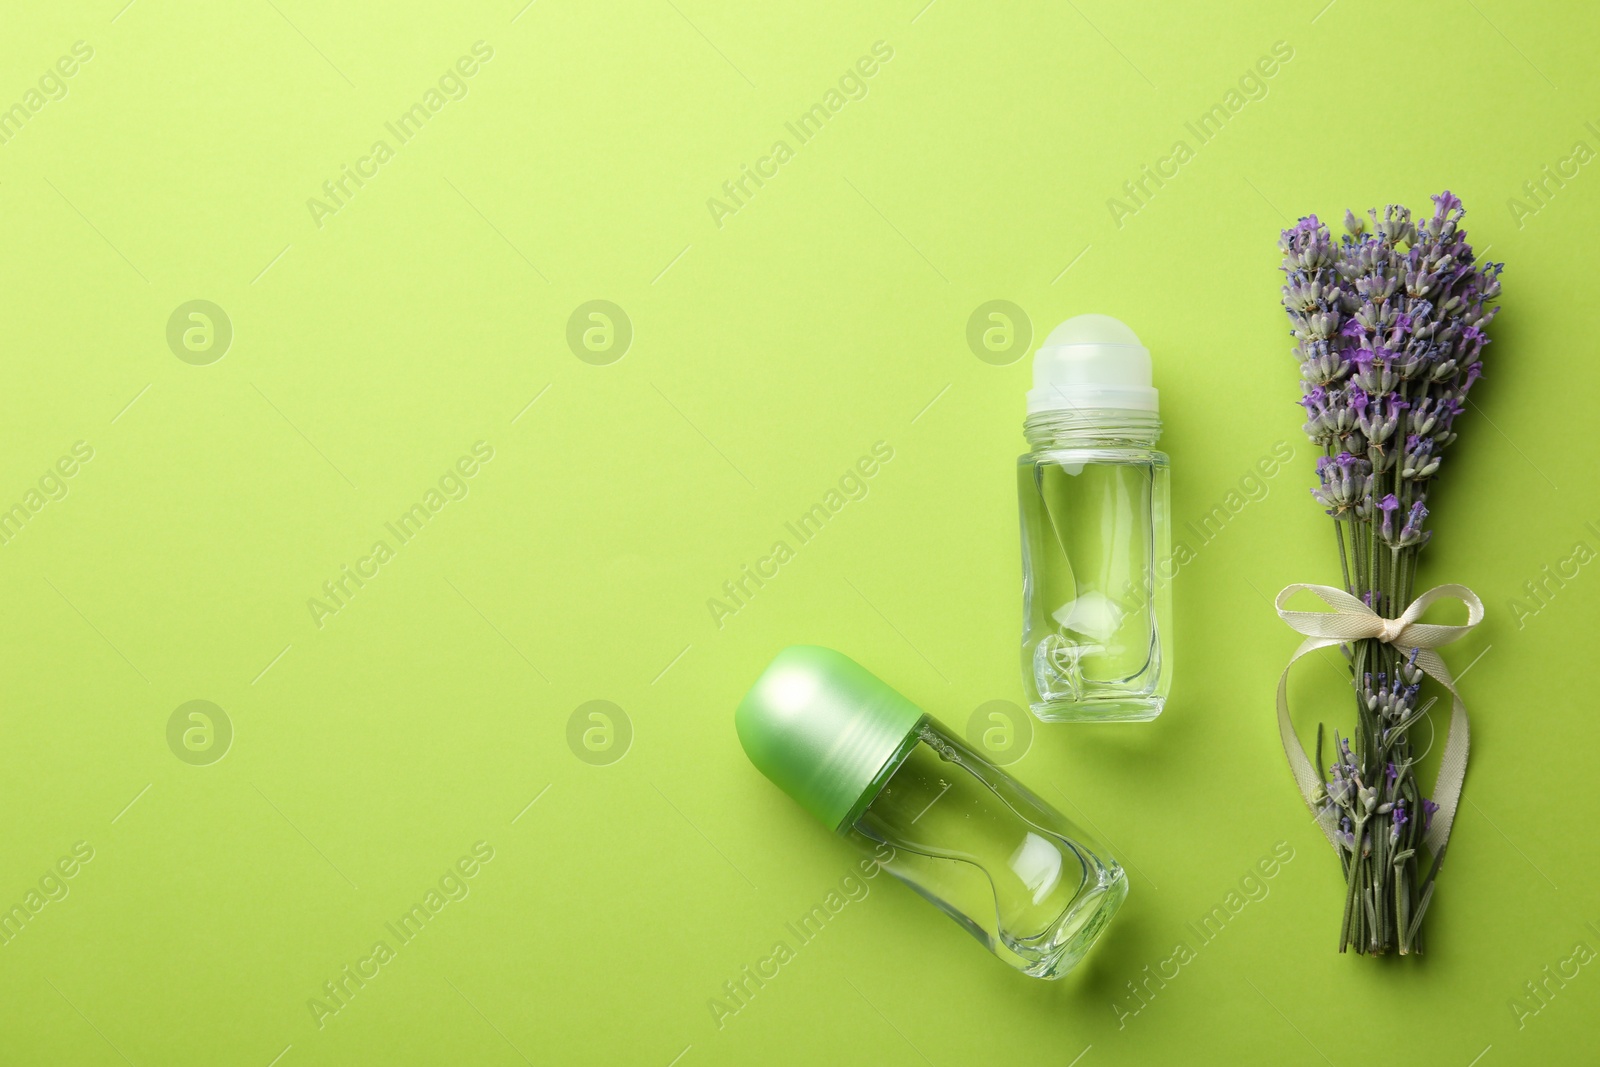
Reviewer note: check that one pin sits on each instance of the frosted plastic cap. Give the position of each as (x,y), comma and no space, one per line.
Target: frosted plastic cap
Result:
(1092,361)
(824,730)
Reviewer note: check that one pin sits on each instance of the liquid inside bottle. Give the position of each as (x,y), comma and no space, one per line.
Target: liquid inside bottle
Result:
(990,854)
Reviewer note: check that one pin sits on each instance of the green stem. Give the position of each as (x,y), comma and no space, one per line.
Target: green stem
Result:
(1354,920)
(1344,561)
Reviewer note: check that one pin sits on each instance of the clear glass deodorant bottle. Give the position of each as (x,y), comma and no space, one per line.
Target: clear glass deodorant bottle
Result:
(1096,530)
(1010,869)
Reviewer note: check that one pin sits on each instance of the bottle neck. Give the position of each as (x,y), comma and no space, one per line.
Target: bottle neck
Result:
(914,735)
(1092,428)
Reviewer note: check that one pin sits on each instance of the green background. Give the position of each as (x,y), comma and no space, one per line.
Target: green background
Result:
(768,354)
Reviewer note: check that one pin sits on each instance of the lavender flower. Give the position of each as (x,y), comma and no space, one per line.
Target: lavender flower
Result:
(1340,789)
(1346,484)
(1412,533)
(1388,505)
(1390,322)
(1428,808)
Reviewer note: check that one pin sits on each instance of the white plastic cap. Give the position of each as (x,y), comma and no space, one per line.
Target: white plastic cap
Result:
(1092,361)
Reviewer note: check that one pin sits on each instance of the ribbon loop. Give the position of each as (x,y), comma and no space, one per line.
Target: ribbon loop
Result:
(1353,620)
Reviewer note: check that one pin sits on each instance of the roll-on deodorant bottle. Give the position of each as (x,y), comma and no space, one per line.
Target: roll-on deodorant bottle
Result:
(872,766)
(1096,532)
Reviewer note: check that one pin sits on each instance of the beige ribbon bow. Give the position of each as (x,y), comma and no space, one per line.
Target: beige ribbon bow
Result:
(1352,620)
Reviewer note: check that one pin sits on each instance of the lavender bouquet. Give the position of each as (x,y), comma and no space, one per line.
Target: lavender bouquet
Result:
(1388,322)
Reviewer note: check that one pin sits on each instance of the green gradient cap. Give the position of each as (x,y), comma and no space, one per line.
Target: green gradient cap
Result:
(823,729)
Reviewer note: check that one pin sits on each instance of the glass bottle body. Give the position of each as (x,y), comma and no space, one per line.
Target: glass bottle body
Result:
(1007,867)
(1097,567)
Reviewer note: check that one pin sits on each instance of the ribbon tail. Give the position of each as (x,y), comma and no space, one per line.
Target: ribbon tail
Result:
(1305,775)
(1452,762)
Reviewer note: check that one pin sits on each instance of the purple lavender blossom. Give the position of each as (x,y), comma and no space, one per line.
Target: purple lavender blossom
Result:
(1390,322)
(1346,484)
(1388,505)
(1398,308)
(1412,533)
